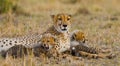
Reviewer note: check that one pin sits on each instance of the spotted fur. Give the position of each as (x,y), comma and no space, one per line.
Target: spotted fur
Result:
(27,41)
(49,42)
(49,45)
(60,29)
(77,38)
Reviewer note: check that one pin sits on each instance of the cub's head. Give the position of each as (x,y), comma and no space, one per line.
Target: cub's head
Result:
(78,36)
(62,22)
(48,41)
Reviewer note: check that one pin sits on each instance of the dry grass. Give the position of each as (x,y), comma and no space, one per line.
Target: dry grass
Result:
(99,20)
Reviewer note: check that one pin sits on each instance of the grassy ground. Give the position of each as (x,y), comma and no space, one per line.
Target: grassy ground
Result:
(99,20)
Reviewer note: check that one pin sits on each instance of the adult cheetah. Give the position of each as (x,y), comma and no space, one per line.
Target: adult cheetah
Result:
(60,29)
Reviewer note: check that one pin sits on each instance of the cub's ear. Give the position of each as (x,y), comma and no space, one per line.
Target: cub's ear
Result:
(52,16)
(69,15)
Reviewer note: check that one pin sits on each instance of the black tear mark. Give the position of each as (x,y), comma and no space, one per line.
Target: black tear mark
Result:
(10,41)
(6,44)
(6,40)
(1,45)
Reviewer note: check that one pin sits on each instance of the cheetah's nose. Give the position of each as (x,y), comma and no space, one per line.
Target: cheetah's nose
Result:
(47,48)
(64,25)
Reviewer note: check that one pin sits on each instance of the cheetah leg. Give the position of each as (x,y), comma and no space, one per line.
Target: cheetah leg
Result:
(52,53)
(105,50)
(100,55)
(109,56)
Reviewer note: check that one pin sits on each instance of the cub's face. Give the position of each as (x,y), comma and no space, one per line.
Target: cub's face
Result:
(79,36)
(47,42)
(78,39)
(62,22)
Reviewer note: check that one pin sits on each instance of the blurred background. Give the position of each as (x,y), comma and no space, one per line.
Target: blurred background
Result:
(98,19)
(19,17)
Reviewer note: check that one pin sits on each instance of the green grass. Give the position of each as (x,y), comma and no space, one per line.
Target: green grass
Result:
(92,17)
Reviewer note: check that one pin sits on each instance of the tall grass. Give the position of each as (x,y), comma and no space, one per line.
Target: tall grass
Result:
(5,6)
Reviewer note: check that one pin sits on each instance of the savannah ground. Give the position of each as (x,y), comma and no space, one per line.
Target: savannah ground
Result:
(98,19)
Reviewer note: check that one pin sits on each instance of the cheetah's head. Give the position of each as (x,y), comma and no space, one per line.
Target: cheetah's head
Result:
(48,41)
(62,22)
(78,36)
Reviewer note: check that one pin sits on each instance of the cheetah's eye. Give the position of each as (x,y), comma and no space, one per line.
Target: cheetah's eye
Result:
(48,41)
(68,18)
(44,44)
(83,36)
(59,18)
(54,39)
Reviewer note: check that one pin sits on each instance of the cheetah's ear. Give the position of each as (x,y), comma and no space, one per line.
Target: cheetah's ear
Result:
(69,15)
(52,16)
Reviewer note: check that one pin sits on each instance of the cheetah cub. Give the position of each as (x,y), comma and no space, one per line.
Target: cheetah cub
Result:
(49,45)
(79,47)
(77,38)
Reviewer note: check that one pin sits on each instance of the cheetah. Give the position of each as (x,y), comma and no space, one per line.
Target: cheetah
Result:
(49,46)
(60,29)
(79,48)
(77,38)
